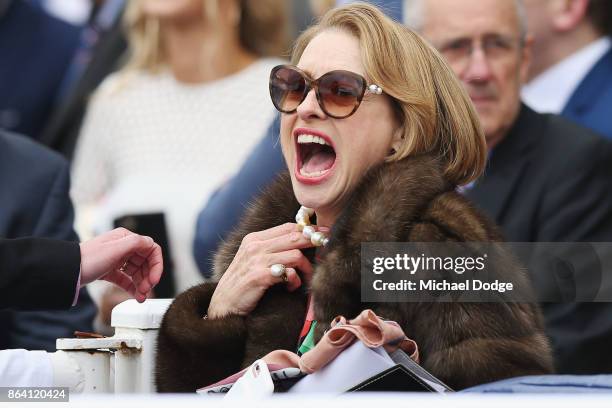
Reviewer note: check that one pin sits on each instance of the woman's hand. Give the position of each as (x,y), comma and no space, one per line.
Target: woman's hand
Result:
(248,276)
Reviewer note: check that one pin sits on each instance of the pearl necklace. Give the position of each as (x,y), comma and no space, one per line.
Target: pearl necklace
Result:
(303,220)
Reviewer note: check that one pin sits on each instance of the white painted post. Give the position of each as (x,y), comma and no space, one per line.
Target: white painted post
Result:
(93,367)
(125,362)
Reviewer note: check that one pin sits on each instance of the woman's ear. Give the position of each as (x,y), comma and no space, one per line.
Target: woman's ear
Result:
(397,140)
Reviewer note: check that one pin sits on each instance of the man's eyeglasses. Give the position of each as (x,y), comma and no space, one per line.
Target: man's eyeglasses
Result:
(494,47)
(339,93)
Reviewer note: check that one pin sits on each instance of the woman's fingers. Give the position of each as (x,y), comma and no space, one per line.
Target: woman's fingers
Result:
(293,259)
(273,232)
(286,242)
(290,278)
(293,280)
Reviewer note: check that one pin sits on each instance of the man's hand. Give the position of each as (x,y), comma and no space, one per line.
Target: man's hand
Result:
(130,261)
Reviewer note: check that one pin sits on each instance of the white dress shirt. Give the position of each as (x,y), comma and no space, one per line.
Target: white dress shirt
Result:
(550,91)
(25,368)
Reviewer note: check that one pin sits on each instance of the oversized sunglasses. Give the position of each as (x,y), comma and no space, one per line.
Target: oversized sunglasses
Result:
(339,93)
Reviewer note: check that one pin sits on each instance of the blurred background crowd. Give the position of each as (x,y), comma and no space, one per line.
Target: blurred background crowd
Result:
(158,112)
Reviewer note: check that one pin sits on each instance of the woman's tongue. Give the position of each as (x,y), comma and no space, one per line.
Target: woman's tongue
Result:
(317,163)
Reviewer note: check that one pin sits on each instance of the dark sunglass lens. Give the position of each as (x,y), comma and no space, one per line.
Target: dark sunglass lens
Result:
(340,92)
(287,88)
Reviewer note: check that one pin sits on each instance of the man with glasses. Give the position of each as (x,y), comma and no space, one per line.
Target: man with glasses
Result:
(547,179)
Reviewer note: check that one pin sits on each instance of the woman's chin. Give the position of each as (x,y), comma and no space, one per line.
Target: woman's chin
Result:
(321,197)
(309,198)
(310,202)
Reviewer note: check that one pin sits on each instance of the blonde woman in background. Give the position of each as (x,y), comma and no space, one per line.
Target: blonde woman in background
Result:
(170,115)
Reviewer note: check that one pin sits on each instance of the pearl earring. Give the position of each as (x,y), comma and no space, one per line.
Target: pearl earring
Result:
(375,89)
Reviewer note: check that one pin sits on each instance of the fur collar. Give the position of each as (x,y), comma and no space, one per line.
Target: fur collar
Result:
(382,209)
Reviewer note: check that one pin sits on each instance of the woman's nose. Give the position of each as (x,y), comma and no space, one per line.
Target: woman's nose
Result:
(309,108)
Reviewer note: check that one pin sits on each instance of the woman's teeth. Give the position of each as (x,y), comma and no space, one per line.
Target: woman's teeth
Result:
(314,174)
(303,139)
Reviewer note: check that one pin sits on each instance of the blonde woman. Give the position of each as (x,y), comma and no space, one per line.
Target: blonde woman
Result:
(184,111)
(377,133)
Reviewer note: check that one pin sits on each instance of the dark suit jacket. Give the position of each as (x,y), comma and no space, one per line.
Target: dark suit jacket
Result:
(34,201)
(591,103)
(37,273)
(550,180)
(35,50)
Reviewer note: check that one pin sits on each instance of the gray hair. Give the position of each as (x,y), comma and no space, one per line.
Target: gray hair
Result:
(414,16)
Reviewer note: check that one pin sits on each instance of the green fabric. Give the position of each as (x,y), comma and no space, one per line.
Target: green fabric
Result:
(308,343)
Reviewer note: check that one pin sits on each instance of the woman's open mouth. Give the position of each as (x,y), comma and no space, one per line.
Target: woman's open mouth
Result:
(316,157)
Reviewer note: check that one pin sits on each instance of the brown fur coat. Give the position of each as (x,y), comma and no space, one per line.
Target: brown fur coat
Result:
(463,344)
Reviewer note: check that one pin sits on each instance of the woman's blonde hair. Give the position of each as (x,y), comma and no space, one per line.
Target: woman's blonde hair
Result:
(433,108)
(262,29)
